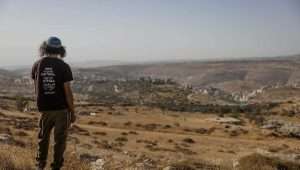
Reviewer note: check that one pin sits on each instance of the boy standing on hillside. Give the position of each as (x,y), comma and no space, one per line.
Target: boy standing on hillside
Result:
(52,77)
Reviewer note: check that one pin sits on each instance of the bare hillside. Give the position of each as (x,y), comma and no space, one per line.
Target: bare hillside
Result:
(231,76)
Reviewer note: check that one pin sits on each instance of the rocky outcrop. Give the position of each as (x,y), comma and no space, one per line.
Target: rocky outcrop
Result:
(283,128)
(6,138)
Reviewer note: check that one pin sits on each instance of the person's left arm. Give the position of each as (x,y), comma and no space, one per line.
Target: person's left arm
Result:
(70,100)
(67,79)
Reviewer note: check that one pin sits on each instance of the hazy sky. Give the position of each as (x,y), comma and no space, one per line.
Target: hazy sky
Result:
(144,30)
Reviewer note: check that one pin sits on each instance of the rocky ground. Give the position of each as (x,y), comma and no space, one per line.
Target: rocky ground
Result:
(136,137)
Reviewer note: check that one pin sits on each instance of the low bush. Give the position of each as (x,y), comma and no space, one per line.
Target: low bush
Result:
(260,162)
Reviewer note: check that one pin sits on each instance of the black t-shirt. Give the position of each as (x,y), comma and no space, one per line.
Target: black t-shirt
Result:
(50,74)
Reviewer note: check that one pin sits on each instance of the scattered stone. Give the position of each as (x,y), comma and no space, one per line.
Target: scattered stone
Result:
(88,158)
(6,139)
(98,164)
(144,162)
(283,128)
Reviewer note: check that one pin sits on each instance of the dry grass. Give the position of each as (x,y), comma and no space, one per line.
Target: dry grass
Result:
(17,158)
(197,165)
(259,162)
(166,138)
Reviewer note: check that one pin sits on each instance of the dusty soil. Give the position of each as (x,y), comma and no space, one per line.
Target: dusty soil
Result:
(142,136)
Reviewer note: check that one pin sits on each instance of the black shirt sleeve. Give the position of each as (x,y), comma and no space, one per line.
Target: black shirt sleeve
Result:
(67,74)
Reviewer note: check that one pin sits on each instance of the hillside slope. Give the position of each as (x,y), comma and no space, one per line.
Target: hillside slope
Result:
(231,76)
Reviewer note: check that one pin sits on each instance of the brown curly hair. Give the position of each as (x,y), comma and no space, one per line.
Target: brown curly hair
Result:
(46,50)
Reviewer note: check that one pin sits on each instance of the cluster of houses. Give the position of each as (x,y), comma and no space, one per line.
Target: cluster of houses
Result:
(242,96)
(90,83)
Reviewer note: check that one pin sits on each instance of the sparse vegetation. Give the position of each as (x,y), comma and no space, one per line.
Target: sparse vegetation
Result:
(152,124)
(189,140)
(17,158)
(257,161)
(121,139)
(21,102)
(100,133)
